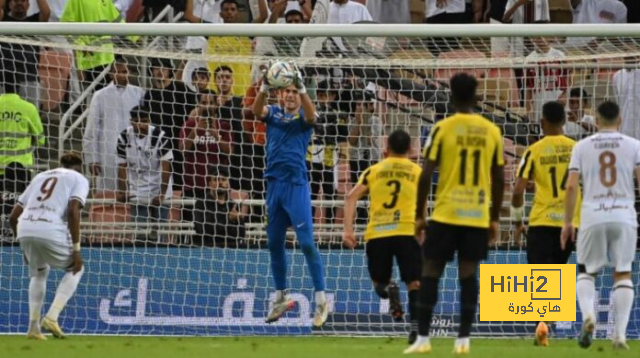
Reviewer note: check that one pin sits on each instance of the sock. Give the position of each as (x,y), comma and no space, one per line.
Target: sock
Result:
(278,254)
(428,300)
(586,295)
(462,341)
(37,290)
(413,309)
(312,255)
(65,291)
(468,304)
(320,297)
(280,295)
(622,303)
(422,340)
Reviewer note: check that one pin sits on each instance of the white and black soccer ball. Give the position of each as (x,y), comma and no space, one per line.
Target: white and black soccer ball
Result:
(280,74)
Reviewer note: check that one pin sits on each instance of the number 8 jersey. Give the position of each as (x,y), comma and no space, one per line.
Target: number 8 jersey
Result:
(547,163)
(45,203)
(606,162)
(466,147)
(393,189)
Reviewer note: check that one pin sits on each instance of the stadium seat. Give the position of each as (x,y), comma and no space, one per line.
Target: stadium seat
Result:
(108,213)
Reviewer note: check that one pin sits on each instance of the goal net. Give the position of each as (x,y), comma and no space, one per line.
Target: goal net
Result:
(198,263)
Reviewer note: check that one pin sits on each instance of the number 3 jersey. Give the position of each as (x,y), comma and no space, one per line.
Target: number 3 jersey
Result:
(547,163)
(466,147)
(393,189)
(45,203)
(606,162)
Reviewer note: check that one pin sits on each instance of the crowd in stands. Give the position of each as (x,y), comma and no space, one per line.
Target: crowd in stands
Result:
(183,129)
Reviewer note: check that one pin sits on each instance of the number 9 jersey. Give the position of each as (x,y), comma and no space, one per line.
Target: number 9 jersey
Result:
(465,147)
(393,189)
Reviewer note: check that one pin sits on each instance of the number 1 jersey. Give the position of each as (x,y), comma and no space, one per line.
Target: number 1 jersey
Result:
(45,203)
(606,162)
(393,189)
(466,147)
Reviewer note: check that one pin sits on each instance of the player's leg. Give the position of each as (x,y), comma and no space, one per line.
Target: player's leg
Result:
(621,248)
(59,256)
(472,249)
(277,223)
(409,258)
(591,250)
(380,267)
(297,204)
(438,248)
(38,273)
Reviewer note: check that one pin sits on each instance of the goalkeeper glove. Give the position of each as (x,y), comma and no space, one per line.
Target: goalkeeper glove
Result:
(265,87)
(298,81)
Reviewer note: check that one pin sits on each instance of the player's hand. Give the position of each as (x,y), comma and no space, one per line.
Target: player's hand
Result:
(77,262)
(157,201)
(265,86)
(95,169)
(517,233)
(494,232)
(441,3)
(298,81)
(421,225)
(121,197)
(568,233)
(349,239)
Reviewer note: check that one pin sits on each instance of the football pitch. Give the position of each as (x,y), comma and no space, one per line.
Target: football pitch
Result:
(304,347)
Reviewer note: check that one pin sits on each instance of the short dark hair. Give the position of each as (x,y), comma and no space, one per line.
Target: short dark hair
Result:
(579,92)
(234,2)
(399,142)
(200,71)
(609,111)
(463,89)
(293,12)
(10,84)
(554,113)
(215,171)
(121,60)
(222,68)
(140,112)
(70,159)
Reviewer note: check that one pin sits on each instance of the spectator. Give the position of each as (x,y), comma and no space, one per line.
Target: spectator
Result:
(20,128)
(579,124)
(233,47)
(12,184)
(90,63)
(389,11)
(144,168)
(229,11)
(20,59)
(346,12)
(201,11)
(626,89)
(109,114)
(596,12)
(205,141)
(545,81)
(328,145)
(633,11)
(218,220)
(293,16)
(230,111)
(56,8)
(280,9)
(170,103)
(201,77)
(154,7)
(448,12)
(123,7)
(515,14)
(495,9)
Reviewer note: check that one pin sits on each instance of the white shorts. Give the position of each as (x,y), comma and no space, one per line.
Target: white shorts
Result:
(41,254)
(608,244)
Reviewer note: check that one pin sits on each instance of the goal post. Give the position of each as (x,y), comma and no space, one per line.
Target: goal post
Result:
(193,266)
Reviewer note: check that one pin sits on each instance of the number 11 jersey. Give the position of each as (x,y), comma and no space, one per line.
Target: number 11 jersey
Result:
(45,203)
(465,147)
(606,162)
(393,189)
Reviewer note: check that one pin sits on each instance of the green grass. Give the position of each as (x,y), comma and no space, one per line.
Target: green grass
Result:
(304,347)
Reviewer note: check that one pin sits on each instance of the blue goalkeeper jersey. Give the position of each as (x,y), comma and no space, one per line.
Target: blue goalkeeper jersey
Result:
(288,137)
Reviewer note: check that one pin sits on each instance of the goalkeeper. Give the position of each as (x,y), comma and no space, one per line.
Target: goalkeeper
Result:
(288,202)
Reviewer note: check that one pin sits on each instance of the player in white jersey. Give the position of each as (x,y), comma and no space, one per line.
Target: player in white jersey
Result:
(46,220)
(606,162)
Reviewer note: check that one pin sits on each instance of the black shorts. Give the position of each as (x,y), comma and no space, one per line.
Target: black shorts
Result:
(543,246)
(443,240)
(380,254)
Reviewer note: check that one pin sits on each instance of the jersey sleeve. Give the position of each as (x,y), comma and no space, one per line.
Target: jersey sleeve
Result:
(433,145)
(165,150)
(574,165)
(525,169)
(268,119)
(80,190)
(637,154)
(364,178)
(498,155)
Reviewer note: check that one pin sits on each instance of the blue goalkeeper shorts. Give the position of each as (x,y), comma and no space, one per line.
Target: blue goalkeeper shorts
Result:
(288,205)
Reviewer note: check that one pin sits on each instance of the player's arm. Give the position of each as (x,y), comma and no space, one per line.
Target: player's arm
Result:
(497,185)
(570,200)
(73,220)
(350,203)
(15,215)
(260,109)
(307,105)
(424,188)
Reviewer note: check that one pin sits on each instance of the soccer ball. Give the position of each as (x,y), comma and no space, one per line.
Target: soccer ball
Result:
(280,74)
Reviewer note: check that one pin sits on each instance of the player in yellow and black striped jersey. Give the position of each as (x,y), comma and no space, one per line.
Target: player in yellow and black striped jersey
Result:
(468,150)
(392,186)
(546,163)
